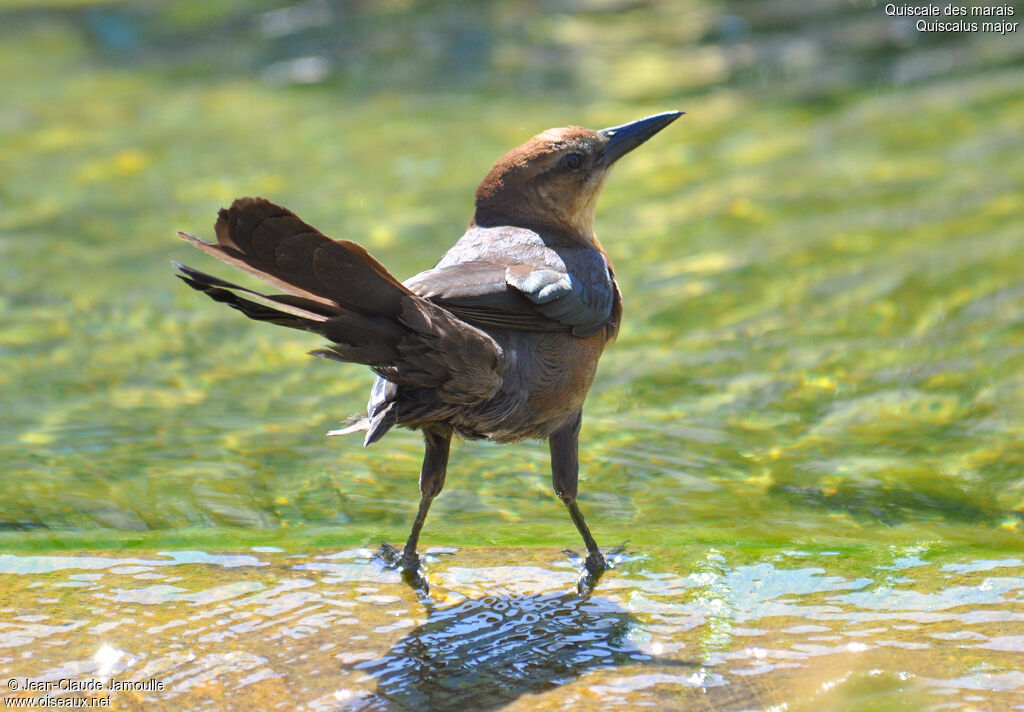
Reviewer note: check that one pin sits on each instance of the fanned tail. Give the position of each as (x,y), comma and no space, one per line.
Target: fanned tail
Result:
(335,288)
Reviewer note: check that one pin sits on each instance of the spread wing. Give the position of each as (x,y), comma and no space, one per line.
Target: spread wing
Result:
(522,296)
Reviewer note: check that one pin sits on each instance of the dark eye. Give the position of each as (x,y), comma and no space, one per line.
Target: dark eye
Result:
(572,161)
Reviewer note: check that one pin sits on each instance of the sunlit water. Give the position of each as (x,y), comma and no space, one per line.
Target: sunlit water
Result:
(811,429)
(330,631)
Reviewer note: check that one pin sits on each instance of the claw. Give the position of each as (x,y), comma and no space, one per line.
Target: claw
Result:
(389,555)
(617,555)
(408,564)
(593,567)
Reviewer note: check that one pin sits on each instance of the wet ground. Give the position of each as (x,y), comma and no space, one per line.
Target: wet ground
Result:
(672,629)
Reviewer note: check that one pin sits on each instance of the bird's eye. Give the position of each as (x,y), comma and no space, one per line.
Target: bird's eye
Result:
(572,161)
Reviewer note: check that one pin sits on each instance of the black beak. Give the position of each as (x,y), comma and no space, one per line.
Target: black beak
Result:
(628,136)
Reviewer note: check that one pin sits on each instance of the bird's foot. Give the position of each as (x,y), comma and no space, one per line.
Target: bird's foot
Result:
(593,567)
(408,564)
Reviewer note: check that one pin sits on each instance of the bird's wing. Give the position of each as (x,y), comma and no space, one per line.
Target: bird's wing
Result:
(522,296)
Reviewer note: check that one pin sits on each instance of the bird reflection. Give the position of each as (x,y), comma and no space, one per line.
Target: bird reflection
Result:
(483,654)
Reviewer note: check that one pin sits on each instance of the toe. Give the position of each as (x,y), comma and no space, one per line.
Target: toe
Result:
(389,554)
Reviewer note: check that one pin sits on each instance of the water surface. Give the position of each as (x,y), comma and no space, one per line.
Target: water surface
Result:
(811,424)
(674,629)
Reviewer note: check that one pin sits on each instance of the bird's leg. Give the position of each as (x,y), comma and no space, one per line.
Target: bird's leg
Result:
(438,441)
(565,469)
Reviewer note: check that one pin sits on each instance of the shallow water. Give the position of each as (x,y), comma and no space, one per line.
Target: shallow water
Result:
(823,291)
(810,426)
(680,629)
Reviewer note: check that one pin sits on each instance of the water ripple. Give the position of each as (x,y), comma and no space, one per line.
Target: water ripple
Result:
(332,630)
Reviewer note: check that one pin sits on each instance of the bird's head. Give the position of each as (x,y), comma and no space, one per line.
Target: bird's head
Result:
(552,181)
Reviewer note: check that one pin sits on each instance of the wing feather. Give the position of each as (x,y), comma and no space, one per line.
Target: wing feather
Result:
(522,296)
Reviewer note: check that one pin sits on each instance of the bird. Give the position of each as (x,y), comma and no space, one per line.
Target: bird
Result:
(500,340)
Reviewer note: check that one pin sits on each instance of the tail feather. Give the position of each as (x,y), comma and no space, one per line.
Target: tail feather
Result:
(300,306)
(232,258)
(276,245)
(337,289)
(221,291)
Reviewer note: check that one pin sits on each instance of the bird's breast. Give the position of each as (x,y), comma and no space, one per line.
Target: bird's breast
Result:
(546,380)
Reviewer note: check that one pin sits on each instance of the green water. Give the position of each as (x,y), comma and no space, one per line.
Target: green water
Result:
(822,351)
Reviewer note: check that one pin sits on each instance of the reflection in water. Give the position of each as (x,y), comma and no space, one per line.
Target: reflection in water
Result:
(482,654)
(726,630)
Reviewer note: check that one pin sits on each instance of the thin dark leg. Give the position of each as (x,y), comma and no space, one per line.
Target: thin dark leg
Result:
(409,551)
(565,469)
(594,556)
(438,441)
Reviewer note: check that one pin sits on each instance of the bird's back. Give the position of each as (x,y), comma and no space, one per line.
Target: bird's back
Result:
(550,303)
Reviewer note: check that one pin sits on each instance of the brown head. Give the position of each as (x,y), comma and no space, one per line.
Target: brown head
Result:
(552,181)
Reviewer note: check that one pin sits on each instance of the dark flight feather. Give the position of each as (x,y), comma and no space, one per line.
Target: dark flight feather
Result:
(337,289)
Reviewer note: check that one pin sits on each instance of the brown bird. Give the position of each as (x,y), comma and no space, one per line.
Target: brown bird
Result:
(499,341)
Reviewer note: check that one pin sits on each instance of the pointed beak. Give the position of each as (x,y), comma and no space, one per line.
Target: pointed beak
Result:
(625,138)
